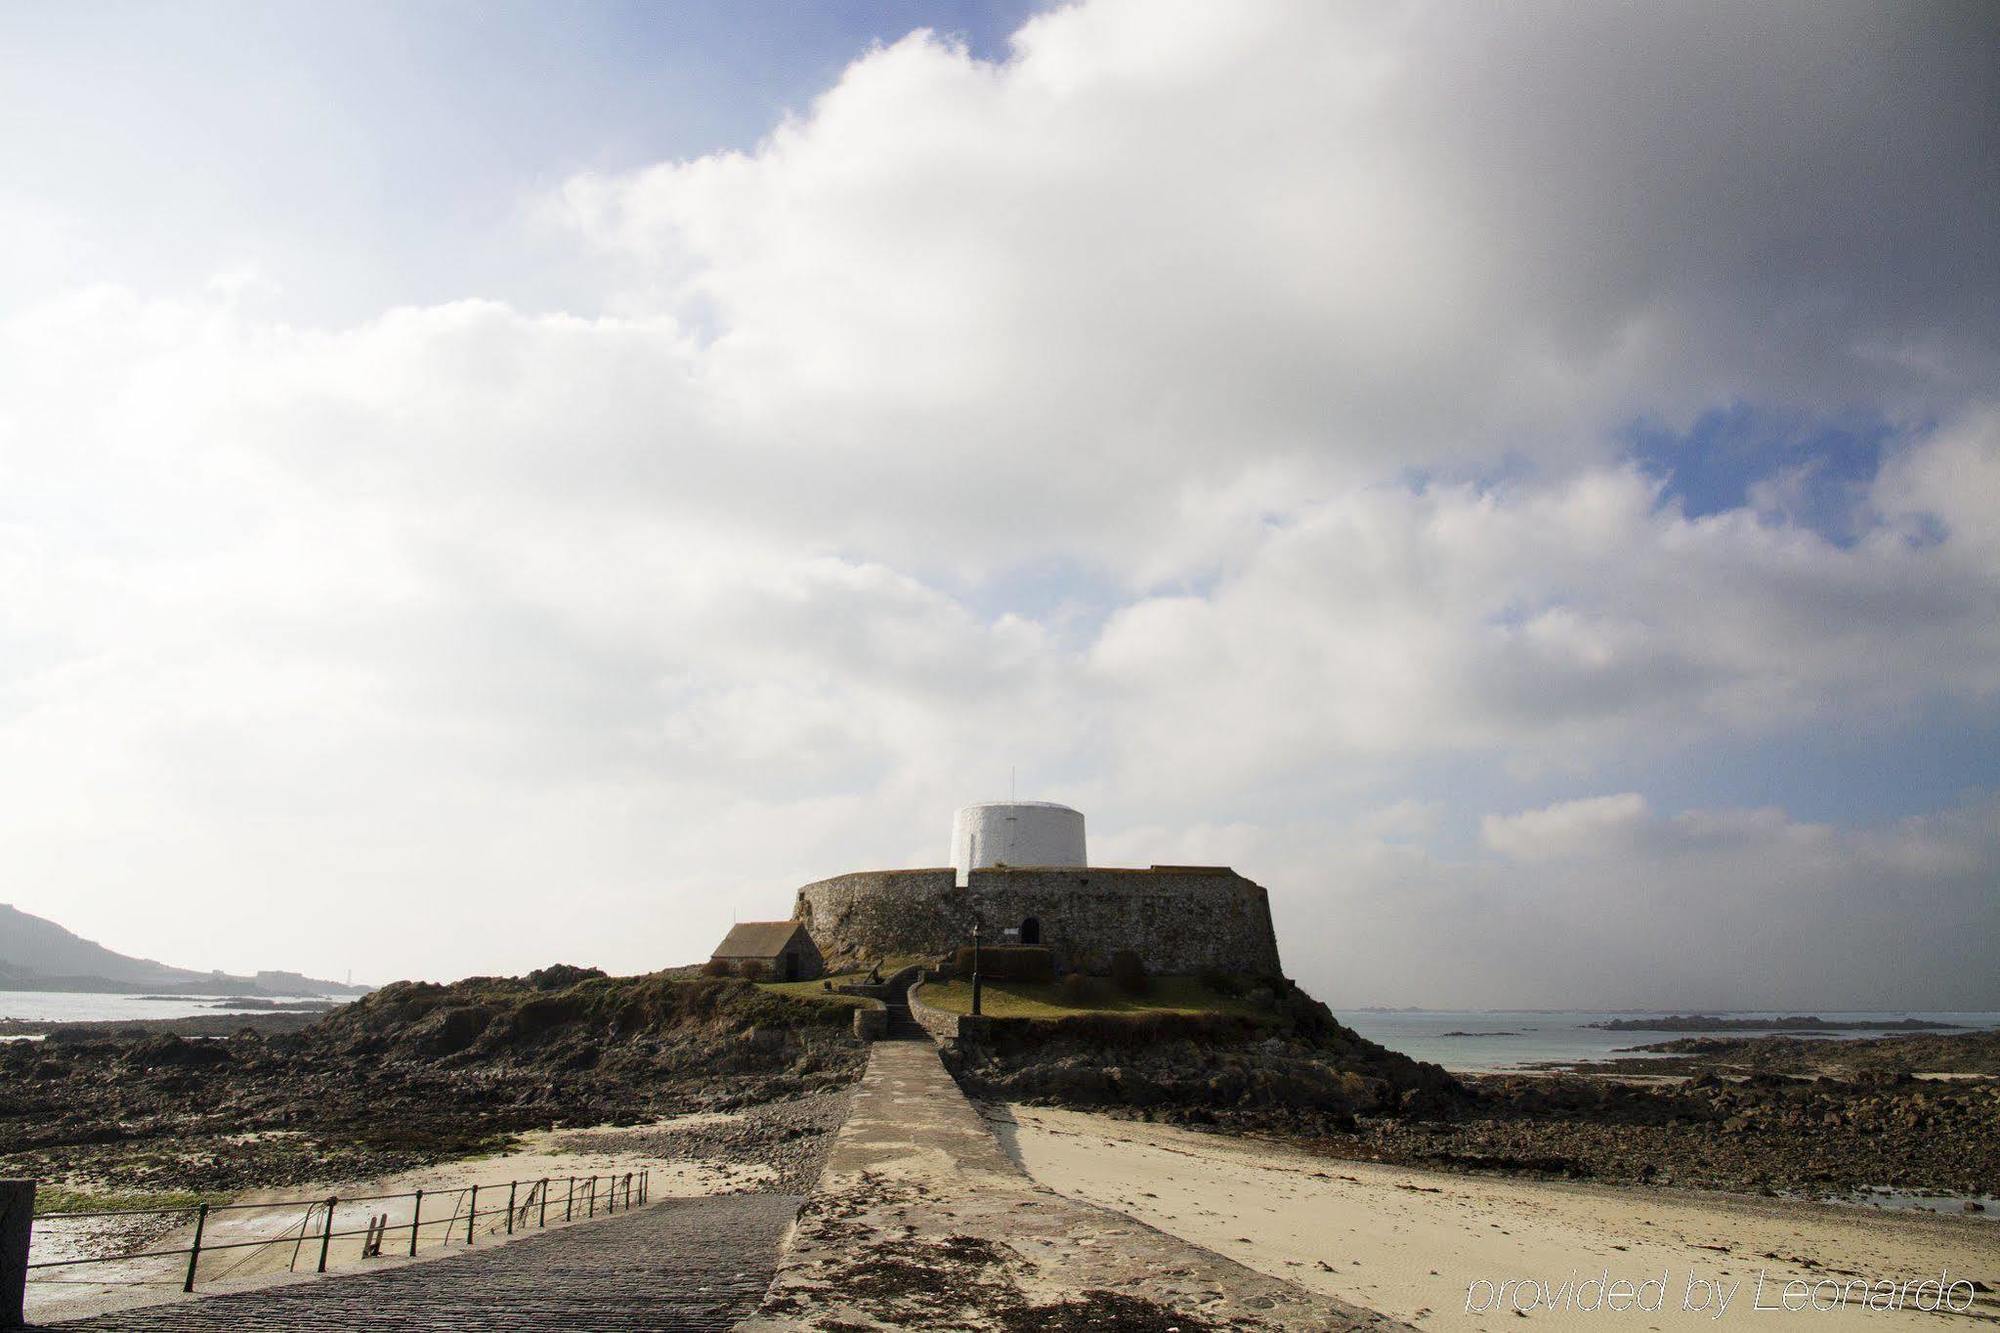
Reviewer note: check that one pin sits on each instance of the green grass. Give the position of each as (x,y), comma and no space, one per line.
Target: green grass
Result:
(816,988)
(60,1199)
(813,992)
(896,962)
(1041,999)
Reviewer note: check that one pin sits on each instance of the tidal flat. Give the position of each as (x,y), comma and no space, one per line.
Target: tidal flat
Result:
(1763,1116)
(723,1085)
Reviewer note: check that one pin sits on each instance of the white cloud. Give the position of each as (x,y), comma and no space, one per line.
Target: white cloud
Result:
(396,642)
(1314,241)
(1599,902)
(1551,622)
(1598,825)
(1402,820)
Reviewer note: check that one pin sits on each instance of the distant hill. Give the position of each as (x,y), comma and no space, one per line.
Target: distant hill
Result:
(38,954)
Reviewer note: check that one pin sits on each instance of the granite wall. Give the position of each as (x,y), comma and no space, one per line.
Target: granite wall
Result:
(940,1023)
(1179,919)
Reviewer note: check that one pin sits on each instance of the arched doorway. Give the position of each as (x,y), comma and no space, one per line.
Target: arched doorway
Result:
(1031,930)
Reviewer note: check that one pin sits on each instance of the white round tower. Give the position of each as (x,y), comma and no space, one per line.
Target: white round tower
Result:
(1016,833)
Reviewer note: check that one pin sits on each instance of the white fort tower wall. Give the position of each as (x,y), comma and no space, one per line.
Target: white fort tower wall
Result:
(1015,833)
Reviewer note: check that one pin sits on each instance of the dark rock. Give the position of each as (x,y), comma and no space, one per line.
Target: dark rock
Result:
(413,1073)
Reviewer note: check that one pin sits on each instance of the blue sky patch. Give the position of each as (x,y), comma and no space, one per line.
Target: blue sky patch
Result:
(1815,473)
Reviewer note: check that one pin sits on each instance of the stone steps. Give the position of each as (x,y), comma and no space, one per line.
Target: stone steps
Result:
(902,1025)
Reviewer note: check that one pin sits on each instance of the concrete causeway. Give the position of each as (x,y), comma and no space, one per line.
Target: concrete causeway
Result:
(922,1219)
(673,1266)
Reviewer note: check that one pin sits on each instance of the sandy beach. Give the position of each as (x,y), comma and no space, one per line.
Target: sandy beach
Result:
(1421,1246)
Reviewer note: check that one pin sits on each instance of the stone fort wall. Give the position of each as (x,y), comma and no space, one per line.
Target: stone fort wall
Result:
(1179,919)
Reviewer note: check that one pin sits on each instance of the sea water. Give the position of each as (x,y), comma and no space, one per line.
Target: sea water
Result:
(1475,1041)
(39,1006)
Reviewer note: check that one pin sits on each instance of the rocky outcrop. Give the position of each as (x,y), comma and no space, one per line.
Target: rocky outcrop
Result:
(1295,1070)
(1954,1053)
(1794,1023)
(1768,1133)
(414,1073)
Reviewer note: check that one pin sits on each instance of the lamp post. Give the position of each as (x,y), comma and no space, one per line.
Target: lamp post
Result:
(975,969)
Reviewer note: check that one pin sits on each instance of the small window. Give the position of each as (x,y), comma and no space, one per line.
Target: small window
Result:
(1031,930)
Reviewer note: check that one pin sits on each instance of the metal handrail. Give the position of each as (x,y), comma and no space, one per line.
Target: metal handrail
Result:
(515,1210)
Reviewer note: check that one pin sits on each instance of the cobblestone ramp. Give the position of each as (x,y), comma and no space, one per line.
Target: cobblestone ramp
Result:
(679,1264)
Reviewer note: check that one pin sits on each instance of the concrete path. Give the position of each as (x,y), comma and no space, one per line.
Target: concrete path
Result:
(922,1220)
(677,1264)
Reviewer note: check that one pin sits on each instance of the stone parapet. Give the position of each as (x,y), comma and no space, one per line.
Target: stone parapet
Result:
(1181,920)
(942,1026)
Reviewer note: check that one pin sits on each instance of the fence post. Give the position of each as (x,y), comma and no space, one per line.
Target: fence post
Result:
(194,1251)
(569,1200)
(512,1185)
(17,1219)
(471,1211)
(416,1220)
(593,1197)
(326,1234)
(543,1220)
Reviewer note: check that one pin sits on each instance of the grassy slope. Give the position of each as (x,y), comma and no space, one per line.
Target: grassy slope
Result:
(812,992)
(816,989)
(1020,999)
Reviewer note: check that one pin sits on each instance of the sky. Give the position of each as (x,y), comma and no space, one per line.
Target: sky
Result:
(489,485)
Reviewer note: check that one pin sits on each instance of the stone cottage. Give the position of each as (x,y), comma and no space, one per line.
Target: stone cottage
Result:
(785,949)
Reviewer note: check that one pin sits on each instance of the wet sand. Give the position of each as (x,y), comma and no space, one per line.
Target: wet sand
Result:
(1414,1245)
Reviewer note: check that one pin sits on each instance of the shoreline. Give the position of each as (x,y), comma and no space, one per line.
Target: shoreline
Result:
(1409,1242)
(1769,1116)
(264,1022)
